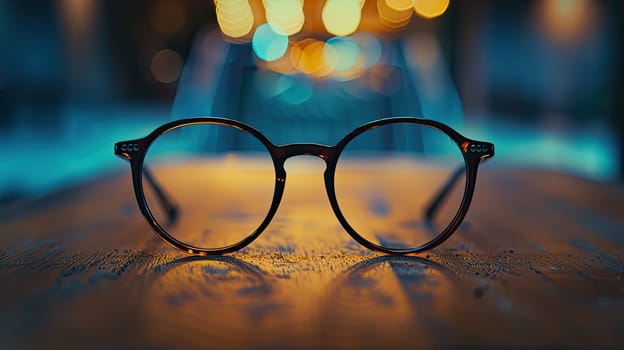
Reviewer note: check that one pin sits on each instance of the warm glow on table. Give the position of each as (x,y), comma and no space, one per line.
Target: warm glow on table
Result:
(222,201)
(82,266)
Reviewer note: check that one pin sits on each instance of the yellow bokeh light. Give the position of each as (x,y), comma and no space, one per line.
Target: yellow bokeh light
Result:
(306,56)
(400,5)
(392,17)
(288,14)
(430,8)
(342,17)
(235,17)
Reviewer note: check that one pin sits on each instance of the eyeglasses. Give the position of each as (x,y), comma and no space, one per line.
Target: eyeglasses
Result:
(212,185)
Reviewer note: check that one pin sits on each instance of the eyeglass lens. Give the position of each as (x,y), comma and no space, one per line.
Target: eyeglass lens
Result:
(387,177)
(221,180)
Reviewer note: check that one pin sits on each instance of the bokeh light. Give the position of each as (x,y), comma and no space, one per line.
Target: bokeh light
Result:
(271,84)
(343,50)
(288,14)
(300,89)
(342,17)
(370,49)
(394,14)
(566,21)
(341,58)
(330,59)
(269,42)
(166,66)
(430,8)
(281,65)
(290,89)
(235,17)
(309,58)
(400,5)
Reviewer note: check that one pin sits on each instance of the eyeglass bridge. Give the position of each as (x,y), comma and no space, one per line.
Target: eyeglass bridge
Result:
(301,149)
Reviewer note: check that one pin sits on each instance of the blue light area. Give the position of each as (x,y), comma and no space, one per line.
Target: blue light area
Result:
(370,48)
(271,84)
(347,50)
(433,85)
(300,89)
(291,90)
(588,151)
(269,42)
(40,158)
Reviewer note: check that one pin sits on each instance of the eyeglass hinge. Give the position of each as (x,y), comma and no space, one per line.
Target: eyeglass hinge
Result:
(483,149)
(128,148)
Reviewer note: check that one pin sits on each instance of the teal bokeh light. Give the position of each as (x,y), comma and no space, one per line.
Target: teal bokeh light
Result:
(348,52)
(300,89)
(269,42)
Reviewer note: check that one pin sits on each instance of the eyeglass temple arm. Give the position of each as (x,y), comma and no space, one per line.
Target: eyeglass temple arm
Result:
(170,208)
(434,205)
(128,150)
(484,150)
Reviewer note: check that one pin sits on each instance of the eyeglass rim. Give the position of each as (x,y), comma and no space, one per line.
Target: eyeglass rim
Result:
(135,151)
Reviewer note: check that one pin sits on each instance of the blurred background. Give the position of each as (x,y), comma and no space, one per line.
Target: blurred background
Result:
(540,78)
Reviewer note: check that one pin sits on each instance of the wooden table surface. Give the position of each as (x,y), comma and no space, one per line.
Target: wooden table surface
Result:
(540,262)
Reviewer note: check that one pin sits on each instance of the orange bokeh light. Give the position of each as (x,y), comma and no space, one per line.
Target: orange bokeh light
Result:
(430,8)
(307,56)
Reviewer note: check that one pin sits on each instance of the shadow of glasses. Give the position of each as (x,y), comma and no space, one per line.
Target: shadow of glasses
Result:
(219,297)
(361,298)
(233,262)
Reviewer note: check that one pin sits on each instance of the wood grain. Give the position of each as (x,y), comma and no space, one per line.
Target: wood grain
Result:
(539,262)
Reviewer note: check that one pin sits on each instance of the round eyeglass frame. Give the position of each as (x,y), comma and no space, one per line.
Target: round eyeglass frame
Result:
(134,151)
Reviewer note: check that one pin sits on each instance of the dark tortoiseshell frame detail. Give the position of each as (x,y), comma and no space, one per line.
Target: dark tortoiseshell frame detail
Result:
(473,152)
